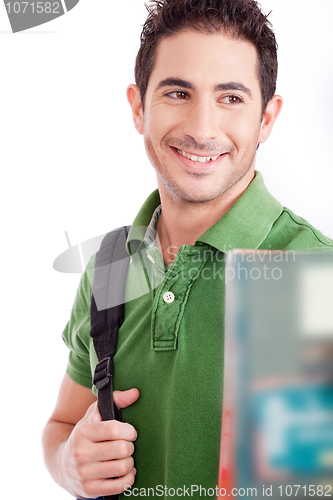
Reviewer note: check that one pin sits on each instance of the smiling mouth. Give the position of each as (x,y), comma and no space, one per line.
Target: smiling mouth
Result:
(200,159)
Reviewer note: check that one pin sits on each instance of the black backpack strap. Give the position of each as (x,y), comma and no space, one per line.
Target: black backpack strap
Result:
(107,315)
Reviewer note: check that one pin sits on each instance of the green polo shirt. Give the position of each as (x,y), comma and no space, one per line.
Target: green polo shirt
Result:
(170,345)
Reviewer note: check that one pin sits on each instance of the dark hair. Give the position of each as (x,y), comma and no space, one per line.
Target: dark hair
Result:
(242,19)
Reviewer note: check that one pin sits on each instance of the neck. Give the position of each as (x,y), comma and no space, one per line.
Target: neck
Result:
(182,222)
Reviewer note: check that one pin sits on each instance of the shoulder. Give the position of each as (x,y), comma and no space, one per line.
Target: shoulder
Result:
(295,233)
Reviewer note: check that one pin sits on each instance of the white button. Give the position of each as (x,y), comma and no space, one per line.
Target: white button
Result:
(168,297)
(151,258)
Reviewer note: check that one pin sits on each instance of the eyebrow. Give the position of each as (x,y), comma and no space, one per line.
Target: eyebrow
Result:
(233,86)
(178,82)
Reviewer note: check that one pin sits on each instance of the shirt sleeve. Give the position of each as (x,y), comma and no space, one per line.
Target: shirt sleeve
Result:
(76,334)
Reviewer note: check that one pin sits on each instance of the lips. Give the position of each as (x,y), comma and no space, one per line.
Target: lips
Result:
(197,158)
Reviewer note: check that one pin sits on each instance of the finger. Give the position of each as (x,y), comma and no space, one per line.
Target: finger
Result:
(92,414)
(108,470)
(110,430)
(113,450)
(117,486)
(121,398)
(106,487)
(126,398)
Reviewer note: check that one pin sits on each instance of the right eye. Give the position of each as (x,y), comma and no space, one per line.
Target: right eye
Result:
(178,94)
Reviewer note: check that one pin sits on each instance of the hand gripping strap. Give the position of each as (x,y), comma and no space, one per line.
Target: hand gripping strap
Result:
(107,315)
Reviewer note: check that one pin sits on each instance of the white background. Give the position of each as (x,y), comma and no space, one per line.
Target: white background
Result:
(72,161)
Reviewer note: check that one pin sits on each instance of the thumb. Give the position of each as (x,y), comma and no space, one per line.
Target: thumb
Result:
(125,398)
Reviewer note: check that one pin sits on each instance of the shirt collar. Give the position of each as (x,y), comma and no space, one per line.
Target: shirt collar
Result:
(248,221)
(142,222)
(150,236)
(245,225)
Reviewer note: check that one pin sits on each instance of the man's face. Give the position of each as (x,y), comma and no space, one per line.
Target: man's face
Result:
(202,115)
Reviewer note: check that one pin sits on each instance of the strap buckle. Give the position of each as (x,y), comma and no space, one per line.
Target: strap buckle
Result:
(103,373)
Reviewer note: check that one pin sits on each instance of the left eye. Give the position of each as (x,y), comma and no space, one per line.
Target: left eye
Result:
(231,99)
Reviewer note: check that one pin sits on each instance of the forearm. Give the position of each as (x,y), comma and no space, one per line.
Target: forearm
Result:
(55,437)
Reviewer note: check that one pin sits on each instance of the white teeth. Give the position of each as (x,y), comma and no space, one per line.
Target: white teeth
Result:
(200,159)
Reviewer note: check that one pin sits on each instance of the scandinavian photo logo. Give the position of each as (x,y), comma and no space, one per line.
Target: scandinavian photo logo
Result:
(23,15)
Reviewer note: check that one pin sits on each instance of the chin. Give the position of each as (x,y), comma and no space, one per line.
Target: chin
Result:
(189,195)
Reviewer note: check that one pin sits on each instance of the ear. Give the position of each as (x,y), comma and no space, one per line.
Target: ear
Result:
(134,99)
(272,112)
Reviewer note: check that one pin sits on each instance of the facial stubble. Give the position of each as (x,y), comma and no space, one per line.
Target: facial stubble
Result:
(189,195)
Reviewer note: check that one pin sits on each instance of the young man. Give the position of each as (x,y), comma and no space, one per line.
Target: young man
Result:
(204,100)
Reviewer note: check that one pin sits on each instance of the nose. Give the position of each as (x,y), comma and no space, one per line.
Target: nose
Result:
(202,120)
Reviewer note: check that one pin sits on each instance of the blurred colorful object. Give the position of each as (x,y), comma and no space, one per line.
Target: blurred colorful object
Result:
(277,431)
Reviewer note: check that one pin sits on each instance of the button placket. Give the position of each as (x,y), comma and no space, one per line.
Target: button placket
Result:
(172,296)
